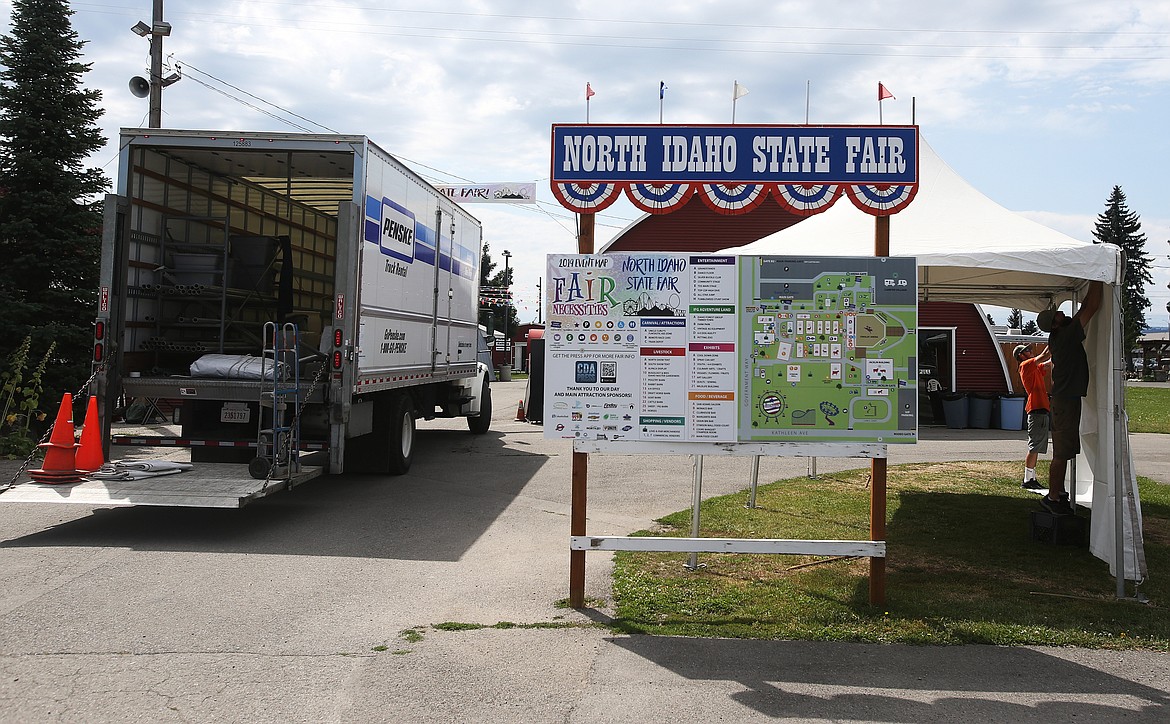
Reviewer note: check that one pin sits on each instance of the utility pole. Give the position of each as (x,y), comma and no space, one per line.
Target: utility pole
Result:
(156,86)
(152,87)
(507,301)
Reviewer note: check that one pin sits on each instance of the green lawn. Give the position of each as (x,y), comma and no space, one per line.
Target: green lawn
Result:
(961,568)
(1148,409)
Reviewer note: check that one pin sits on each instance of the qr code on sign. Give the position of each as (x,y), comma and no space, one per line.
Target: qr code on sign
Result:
(609,371)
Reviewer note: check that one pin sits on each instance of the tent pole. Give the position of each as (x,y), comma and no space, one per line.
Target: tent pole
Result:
(580,474)
(1120,473)
(878,467)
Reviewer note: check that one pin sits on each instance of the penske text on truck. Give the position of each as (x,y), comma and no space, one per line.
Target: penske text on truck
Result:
(289,304)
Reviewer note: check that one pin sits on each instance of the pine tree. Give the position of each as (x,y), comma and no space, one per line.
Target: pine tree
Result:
(50,226)
(492,313)
(1119,226)
(1015,319)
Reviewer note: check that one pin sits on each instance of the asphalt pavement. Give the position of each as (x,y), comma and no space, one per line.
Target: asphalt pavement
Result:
(318,604)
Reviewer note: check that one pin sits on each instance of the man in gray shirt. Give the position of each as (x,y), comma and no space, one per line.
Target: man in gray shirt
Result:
(1070,382)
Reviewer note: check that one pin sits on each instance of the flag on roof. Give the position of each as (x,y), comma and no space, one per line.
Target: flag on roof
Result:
(884,93)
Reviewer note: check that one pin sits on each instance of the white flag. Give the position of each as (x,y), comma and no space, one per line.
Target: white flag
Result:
(738,91)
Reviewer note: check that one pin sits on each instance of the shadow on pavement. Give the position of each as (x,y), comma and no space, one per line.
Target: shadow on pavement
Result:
(435,512)
(841,682)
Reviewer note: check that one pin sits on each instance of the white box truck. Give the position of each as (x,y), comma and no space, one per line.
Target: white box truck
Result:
(293,302)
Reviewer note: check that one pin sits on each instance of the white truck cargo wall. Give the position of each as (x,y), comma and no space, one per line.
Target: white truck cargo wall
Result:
(400,250)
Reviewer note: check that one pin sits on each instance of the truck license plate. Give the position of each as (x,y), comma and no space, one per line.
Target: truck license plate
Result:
(235,412)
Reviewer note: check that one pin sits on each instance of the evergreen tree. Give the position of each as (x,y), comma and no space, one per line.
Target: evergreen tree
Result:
(492,283)
(50,226)
(1015,319)
(1119,226)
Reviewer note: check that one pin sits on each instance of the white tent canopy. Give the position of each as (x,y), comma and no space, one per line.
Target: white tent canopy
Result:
(970,249)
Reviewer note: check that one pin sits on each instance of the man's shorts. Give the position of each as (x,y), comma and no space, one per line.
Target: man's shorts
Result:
(1066,427)
(1038,424)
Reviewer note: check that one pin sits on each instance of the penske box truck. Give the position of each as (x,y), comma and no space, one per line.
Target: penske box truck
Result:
(283,305)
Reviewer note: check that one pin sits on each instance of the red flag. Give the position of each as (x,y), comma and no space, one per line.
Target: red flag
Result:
(884,93)
(589,92)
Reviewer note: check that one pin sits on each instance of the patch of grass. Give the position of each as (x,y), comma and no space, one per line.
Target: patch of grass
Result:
(458,626)
(506,625)
(589,603)
(381,647)
(411,635)
(961,568)
(1148,409)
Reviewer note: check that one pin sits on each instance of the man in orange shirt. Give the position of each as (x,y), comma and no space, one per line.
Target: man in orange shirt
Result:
(1032,373)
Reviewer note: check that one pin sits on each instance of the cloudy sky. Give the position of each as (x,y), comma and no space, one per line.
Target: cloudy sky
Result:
(1043,106)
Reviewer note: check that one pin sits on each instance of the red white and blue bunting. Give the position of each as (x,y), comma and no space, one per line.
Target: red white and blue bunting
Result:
(659,198)
(882,199)
(733,198)
(586,198)
(807,199)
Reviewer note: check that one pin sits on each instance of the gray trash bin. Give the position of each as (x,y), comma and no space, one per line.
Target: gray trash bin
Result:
(979,410)
(955,409)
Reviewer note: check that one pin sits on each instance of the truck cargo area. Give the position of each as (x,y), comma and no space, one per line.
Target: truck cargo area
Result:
(222,240)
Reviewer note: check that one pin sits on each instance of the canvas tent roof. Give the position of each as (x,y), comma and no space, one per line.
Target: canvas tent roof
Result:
(969,248)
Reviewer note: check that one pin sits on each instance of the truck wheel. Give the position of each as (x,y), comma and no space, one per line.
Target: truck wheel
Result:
(401,439)
(479,425)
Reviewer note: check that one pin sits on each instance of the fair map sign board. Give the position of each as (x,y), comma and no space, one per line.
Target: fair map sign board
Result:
(724,349)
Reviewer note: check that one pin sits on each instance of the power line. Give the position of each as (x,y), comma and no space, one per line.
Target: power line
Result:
(188,66)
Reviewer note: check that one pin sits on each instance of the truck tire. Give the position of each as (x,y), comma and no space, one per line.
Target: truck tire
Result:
(389,448)
(480,425)
(401,439)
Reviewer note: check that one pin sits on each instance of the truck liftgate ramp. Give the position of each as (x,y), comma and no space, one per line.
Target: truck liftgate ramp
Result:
(208,485)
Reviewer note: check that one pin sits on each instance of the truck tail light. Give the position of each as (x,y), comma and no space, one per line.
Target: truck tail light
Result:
(337,338)
(99,341)
(336,359)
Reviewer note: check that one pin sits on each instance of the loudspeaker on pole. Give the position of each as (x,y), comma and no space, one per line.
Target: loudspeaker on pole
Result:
(139,86)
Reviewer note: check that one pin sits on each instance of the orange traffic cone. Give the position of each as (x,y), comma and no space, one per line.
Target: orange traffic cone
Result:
(60,465)
(89,452)
(63,427)
(520,416)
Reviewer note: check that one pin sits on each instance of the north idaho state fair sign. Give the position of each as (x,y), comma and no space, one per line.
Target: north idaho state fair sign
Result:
(735,168)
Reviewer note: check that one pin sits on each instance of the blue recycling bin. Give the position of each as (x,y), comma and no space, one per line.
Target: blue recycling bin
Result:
(1011,412)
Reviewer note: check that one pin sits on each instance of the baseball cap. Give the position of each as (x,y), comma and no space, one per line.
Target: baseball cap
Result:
(1044,319)
(1019,350)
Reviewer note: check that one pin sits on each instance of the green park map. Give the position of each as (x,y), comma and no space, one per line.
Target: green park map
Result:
(829,349)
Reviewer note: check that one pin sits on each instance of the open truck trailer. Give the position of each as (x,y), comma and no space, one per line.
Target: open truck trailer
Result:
(292,302)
